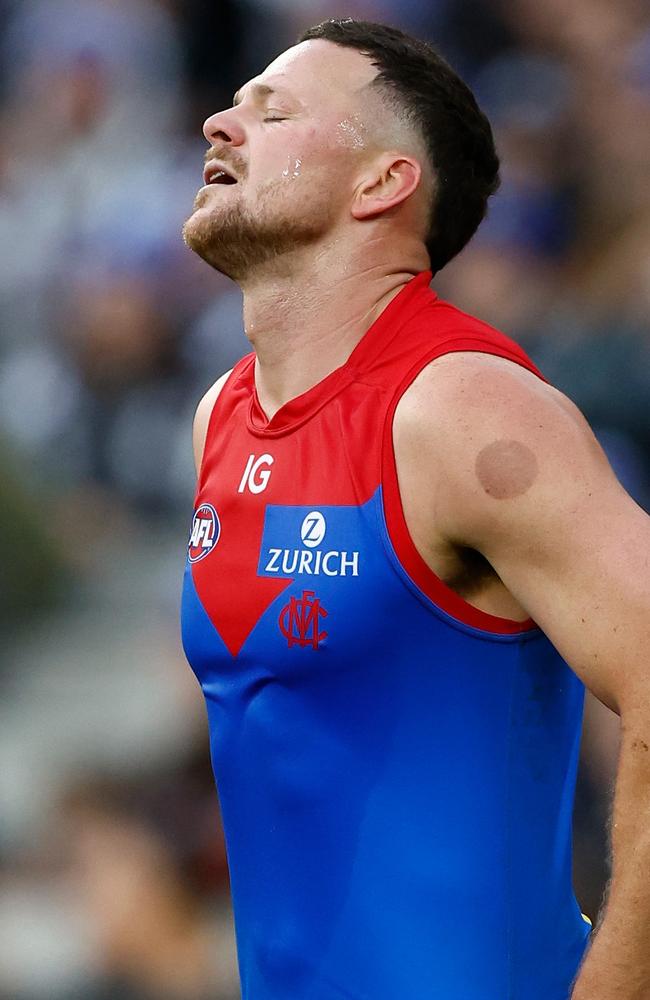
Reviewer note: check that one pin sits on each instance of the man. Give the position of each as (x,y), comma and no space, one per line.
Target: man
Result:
(401,534)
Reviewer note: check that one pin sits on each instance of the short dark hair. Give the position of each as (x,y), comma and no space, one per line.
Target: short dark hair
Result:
(457,134)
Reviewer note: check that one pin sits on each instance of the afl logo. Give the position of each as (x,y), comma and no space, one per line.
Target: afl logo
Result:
(312,531)
(206,530)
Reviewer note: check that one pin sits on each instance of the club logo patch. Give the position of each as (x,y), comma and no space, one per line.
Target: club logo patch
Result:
(205,533)
(299,620)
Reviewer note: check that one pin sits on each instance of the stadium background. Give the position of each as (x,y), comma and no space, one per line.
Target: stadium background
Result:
(112,871)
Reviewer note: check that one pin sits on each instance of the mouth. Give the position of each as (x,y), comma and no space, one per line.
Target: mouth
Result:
(216,173)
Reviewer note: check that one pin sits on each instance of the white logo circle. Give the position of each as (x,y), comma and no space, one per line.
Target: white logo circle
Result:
(313,528)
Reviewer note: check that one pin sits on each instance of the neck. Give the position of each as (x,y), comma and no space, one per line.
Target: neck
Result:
(305,324)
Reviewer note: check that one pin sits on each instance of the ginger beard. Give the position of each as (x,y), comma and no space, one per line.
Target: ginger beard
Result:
(288,213)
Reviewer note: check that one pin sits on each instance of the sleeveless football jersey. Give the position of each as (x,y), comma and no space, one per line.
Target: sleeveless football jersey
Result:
(395,768)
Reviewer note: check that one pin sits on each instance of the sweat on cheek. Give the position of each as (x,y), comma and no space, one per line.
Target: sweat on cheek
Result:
(293,166)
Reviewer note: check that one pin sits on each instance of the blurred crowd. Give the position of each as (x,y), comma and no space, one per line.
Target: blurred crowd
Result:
(113,881)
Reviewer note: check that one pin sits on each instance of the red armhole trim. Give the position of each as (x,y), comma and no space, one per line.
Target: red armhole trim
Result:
(399,536)
(237,370)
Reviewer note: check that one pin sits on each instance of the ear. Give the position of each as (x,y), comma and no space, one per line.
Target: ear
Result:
(393,179)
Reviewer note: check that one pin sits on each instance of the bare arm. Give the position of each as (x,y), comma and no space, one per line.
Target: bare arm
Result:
(202,418)
(522,480)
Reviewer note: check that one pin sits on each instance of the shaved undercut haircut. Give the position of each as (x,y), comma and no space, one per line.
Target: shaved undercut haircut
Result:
(422,87)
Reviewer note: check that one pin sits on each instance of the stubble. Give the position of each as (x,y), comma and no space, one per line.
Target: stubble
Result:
(239,241)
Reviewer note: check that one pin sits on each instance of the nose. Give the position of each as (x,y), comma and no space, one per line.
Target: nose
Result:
(224,127)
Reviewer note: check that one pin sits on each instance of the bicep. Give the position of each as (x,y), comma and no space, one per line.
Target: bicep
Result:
(530,488)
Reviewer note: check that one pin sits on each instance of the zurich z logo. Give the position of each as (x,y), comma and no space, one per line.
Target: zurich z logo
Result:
(205,533)
(312,531)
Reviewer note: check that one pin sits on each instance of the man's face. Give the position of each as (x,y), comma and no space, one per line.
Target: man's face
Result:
(293,141)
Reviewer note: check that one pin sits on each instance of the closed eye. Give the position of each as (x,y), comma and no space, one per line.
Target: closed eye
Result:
(275,119)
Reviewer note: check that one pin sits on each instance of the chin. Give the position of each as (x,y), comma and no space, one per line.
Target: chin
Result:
(215,243)
(238,243)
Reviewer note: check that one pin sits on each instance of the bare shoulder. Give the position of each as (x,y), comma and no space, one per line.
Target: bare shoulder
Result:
(461,387)
(490,430)
(202,416)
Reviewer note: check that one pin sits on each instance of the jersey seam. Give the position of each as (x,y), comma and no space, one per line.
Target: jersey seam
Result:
(508,858)
(358,495)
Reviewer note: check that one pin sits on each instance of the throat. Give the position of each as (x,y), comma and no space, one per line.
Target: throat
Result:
(302,333)
(275,394)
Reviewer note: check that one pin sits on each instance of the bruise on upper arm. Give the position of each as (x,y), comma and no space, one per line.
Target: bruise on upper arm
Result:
(506,468)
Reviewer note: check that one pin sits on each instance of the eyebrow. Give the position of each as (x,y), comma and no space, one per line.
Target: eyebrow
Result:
(259,91)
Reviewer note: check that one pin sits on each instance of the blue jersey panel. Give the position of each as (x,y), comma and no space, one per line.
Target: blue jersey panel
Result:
(396,786)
